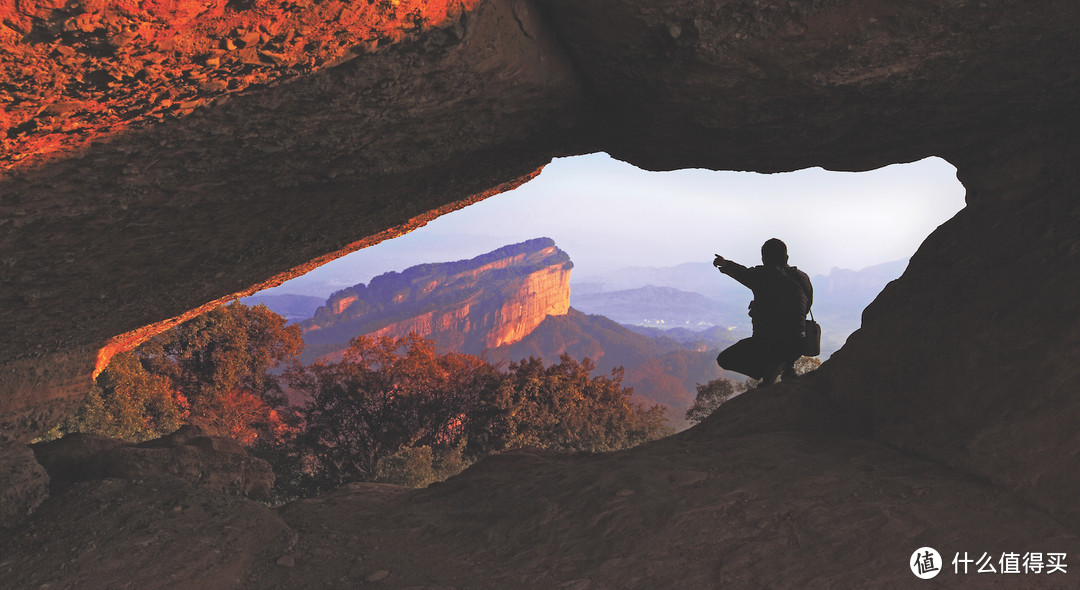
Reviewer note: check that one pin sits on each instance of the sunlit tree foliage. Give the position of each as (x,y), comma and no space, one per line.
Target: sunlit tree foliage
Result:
(390,410)
(128,402)
(215,371)
(222,363)
(395,410)
(386,395)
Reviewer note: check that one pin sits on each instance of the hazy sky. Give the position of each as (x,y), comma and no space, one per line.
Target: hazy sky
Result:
(608,214)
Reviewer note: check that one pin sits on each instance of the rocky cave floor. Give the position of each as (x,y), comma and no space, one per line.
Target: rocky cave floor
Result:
(761,495)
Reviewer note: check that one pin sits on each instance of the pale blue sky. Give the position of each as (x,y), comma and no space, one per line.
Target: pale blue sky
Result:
(608,214)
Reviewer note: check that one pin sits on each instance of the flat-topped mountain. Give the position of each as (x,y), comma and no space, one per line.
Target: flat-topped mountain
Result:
(508,304)
(467,306)
(948,419)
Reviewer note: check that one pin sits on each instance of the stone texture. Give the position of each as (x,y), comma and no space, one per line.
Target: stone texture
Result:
(772,85)
(26,484)
(971,359)
(188,455)
(780,506)
(467,306)
(78,71)
(745,500)
(968,359)
(340,158)
(141,534)
(74,458)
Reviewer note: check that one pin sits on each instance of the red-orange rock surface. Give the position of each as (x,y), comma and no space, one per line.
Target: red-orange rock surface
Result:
(77,71)
(351,139)
(968,360)
(466,306)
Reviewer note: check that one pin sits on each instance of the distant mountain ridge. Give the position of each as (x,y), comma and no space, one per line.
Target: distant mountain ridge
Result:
(465,306)
(691,277)
(663,307)
(294,308)
(695,296)
(515,302)
(660,369)
(508,305)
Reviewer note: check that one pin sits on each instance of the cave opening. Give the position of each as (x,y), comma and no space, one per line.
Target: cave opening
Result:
(627,229)
(961,376)
(641,245)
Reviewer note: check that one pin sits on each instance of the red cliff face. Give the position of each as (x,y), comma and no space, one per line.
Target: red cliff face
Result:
(471,305)
(542,293)
(83,70)
(969,359)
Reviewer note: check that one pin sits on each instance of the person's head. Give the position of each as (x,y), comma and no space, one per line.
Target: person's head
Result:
(774,253)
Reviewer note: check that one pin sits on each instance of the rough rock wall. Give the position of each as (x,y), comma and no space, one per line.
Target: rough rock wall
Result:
(774,85)
(967,358)
(970,358)
(188,455)
(543,293)
(466,306)
(973,357)
(77,71)
(100,243)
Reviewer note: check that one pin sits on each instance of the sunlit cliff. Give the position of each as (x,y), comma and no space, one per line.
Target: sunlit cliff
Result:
(467,306)
(165,157)
(78,71)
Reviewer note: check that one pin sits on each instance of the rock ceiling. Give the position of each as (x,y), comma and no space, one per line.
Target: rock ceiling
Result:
(160,164)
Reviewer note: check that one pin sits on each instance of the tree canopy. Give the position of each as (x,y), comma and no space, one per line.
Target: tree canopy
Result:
(391,403)
(391,410)
(130,403)
(216,371)
(221,363)
(714,393)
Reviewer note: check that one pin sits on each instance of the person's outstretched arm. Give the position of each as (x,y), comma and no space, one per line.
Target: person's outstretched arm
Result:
(733,269)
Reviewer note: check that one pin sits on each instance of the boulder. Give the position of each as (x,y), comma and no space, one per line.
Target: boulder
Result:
(189,455)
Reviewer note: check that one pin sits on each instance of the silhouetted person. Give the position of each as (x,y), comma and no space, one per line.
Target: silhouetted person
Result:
(782,296)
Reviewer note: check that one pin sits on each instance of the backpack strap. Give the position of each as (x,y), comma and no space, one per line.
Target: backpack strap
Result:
(792,272)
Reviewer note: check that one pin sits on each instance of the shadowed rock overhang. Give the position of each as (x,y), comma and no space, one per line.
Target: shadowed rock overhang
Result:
(967,359)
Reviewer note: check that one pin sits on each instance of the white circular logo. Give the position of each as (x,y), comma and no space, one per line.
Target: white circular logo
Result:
(925,563)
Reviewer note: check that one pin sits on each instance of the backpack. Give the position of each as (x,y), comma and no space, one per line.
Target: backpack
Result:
(811,340)
(811,337)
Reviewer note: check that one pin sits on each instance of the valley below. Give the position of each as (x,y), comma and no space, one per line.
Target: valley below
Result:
(662,326)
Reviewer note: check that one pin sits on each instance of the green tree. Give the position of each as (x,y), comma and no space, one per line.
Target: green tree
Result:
(418,467)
